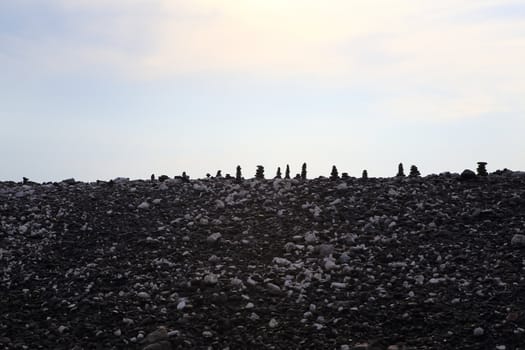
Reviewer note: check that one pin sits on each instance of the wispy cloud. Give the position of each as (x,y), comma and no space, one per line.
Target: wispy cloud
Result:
(426,59)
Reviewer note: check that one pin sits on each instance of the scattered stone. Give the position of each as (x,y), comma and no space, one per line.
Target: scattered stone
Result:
(213,238)
(478,332)
(273,323)
(211,279)
(143,205)
(143,295)
(518,240)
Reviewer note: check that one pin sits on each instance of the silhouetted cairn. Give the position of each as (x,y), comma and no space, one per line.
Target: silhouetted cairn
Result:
(278,175)
(482,170)
(228,177)
(219,174)
(238,175)
(25,180)
(208,175)
(364,176)
(185,177)
(414,172)
(152,177)
(287,172)
(400,171)
(298,177)
(163,178)
(259,173)
(303,172)
(467,175)
(334,175)
(345,176)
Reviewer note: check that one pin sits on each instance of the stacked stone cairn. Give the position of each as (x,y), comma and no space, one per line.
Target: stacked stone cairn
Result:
(259,173)
(278,175)
(364,176)
(303,172)
(482,169)
(414,172)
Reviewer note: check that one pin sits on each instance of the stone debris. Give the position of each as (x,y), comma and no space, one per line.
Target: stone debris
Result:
(386,263)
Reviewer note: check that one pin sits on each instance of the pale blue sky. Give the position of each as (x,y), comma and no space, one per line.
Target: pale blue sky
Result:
(99,89)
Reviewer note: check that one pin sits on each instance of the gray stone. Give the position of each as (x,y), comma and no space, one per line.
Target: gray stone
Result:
(213,238)
(518,240)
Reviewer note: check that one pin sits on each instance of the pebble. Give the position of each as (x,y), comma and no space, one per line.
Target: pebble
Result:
(143,205)
(518,240)
(207,334)
(61,329)
(273,323)
(211,279)
(478,332)
(117,332)
(213,238)
(143,295)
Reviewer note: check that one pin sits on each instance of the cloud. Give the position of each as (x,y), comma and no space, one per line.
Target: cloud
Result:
(407,52)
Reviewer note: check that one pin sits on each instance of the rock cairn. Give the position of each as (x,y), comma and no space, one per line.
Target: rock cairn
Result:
(238,175)
(259,173)
(400,170)
(482,169)
(278,175)
(287,172)
(303,172)
(364,176)
(414,172)
(334,175)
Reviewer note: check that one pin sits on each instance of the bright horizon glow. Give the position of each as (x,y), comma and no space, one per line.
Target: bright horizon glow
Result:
(99,89)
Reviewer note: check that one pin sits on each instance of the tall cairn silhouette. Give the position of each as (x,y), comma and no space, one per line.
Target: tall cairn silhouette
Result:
(303,172)
(400,171)
(238,175)
(334,175)
(287,172)
(278,175)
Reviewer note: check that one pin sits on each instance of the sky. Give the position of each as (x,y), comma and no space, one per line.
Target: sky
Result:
(96,89)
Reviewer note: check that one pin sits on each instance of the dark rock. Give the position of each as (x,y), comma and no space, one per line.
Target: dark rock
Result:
(467,175)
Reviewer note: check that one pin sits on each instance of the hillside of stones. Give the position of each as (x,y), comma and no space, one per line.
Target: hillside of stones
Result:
(394,263)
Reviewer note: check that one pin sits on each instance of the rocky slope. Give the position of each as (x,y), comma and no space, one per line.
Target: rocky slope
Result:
(398,263)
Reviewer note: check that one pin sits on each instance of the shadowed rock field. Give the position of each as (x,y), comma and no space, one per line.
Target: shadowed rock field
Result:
(394,263)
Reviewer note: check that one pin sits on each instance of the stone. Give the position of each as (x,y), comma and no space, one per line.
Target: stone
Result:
(143,295)
(213,238)
(273,288)
(273,323)
(211,279)
(143,205)
(518,240)
(478,332)
(467,175)
(157,335)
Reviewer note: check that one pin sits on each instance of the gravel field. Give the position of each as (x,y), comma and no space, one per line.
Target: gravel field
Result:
(382,263)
